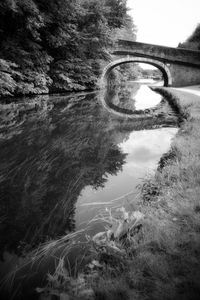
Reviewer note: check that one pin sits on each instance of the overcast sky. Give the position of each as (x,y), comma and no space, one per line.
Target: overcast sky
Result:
(164,22)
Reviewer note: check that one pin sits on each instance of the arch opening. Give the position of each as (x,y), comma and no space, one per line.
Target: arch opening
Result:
(159,65)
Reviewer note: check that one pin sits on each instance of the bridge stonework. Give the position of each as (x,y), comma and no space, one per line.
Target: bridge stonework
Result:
(180,67)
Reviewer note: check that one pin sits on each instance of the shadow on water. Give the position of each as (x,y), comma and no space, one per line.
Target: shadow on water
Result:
(51,148)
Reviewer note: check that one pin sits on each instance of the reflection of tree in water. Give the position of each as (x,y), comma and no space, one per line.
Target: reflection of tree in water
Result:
(47,164)
(124,96)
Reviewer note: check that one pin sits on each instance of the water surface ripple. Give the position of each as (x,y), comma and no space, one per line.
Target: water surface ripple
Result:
(65,158)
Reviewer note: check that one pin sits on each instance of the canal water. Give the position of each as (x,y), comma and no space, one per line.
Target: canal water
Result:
(65,159)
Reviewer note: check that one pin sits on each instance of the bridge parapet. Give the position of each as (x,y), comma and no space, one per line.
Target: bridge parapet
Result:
(162,53)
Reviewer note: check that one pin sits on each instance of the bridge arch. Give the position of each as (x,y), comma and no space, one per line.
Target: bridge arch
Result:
(128,59)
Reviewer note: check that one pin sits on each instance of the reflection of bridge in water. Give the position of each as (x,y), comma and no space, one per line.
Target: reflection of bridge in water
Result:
(179,66)
(139,104)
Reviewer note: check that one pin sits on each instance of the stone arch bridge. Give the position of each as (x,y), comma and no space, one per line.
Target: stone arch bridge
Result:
(179,66)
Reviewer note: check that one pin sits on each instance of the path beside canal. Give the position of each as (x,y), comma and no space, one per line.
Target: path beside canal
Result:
(195,89)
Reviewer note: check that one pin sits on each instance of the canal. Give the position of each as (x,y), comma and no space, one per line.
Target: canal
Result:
(66,159)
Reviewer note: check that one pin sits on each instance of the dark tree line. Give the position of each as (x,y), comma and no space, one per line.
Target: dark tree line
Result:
(193,42)
(56,45)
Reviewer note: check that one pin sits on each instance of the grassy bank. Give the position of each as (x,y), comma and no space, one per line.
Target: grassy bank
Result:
(163,258)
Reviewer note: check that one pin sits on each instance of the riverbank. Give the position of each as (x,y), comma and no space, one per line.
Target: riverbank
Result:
(150,250)
(153,252)
(164,256)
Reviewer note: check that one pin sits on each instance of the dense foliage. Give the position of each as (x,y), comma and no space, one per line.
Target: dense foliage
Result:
(193,42)
(56,45)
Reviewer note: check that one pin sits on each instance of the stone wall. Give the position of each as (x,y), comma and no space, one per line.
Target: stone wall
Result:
(184,75)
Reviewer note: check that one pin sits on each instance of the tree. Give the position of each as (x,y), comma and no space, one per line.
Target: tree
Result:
(193,42)
(62,43)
